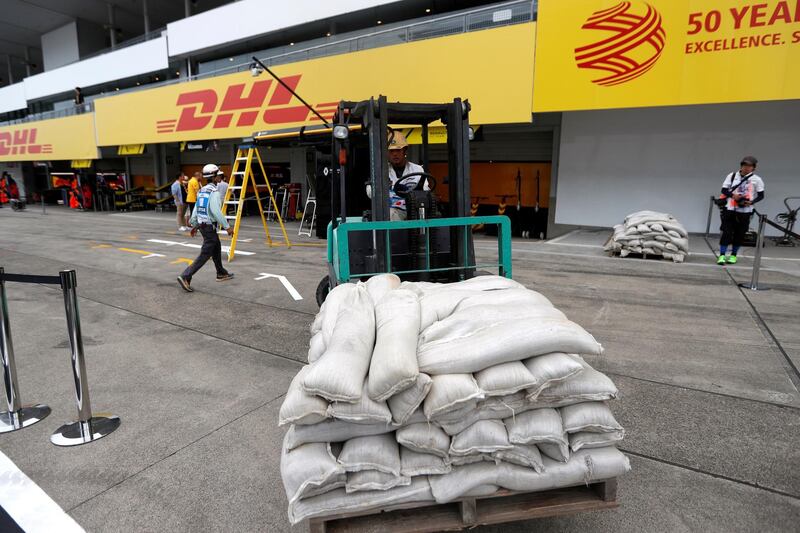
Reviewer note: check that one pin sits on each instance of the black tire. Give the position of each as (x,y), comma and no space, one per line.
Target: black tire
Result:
(323,289)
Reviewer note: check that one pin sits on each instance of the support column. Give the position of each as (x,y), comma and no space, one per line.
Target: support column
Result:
(112,26)
(146,15)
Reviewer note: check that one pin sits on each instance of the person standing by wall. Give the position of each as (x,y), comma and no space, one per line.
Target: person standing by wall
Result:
(740,191)
(207,217)
(192,189)
(3,189)
(179,196)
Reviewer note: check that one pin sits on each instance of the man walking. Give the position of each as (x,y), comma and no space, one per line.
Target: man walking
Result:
(740,191)
(179,195)
(207,217)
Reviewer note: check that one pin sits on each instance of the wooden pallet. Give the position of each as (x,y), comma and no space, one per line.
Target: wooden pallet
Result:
(501,507)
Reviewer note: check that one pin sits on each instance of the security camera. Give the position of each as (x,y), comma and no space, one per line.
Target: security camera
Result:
(255,69)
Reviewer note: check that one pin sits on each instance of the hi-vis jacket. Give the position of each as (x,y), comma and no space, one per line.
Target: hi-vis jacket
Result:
(743,186)
(395,201)
(208,209)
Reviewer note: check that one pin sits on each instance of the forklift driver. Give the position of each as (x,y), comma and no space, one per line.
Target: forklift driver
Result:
(399,165)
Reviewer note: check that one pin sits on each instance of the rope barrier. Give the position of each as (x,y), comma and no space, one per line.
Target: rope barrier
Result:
(30,278)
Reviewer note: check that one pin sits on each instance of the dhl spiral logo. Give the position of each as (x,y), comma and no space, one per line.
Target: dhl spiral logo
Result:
(633,47)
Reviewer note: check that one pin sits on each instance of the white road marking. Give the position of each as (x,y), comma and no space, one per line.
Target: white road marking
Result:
(223,232)
(28,505)
(152,255)
(567,234)
(197,246)
(289,287)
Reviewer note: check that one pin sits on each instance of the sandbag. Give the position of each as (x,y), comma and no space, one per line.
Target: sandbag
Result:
(308,467)
(424,438)
(374,480)
(542,427)
(316,347)
(403,404)
(461,460)
(589,439)
(339,374)
(526,455)
(299,407)
(510,341)
(393,367)
(448,392)
(549,369)
(589,416)
(484,436)
(380,285)
(377,452)
(462,479)
(421,464)
(364,411)
(556,452)
(505,378)
(338,501)
(332,431)
(589,385)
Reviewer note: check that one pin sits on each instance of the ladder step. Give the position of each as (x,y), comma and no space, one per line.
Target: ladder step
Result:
(230,217)
(235,188)
(241,159)
(235,173)
(232,202)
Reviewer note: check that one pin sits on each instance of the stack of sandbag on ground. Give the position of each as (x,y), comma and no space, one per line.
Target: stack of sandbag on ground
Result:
(650,233)
(423,392)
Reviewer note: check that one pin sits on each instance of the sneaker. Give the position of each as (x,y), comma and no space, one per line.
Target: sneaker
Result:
(225,277)
(721,260)
(183,228)
(185,284)
(732,260)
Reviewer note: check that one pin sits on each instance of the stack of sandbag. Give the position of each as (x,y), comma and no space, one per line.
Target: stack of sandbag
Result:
(650,233)
(424,392)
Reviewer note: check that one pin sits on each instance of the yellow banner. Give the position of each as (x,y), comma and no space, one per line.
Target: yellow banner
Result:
(470,66)
(130,149)
(600,54)
(81,163)
(50,140)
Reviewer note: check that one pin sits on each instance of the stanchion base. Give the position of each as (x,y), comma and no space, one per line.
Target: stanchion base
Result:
(27,416)
(73,434)
(754,287)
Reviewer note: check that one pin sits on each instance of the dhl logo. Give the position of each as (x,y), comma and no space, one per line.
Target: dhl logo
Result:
(22,142)
(202,108)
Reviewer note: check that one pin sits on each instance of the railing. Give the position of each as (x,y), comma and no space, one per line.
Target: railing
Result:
(86,107)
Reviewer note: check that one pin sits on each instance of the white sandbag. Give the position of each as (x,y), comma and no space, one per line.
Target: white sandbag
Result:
(332,431)
(549,369)
(589,416)
(424,438)
(655,226)
(643,228)
(421,464)
(440,300)
(590,439)
(505,378)
(484,436)
(536,426)
(510,341)
(339,374)
(308,467)
(299,407)
(338,501)
(449,392)
(316,347)
(380,285)
(526,455)
(482,490)
(373,480)
(394,360)
(511,297)
(556,452)
(586,386)
(462,479)
(364,411)
(405,403)
(328,314)
(457,460)
(377,452)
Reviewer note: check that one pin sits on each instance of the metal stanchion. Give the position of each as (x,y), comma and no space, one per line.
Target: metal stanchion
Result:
(711,206)
(17,416)
(43,209)
(87,428)
(753,285)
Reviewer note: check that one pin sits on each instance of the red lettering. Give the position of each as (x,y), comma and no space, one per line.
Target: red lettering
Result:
(21,137)
(234,100)
(796,37)
(688,48)
(282,96)
(694,23)
(33,135)
(247,118)
(223,120)
(797,12)
(781,13)
(5,142)
(286,115)
(738,16)
(759,12)
(713,20)
(207,99)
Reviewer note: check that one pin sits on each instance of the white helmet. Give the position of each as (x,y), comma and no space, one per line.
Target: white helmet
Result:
(210,170)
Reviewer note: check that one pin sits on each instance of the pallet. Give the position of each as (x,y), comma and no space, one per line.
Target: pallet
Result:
(501,507)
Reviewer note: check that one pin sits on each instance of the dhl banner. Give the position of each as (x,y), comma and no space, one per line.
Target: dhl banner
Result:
(49,140)
(492,68)
(599,54)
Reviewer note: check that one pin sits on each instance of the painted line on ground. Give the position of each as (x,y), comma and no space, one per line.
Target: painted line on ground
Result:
(145,254)
(181,260)
(28,505)
(289,287)
(196,246)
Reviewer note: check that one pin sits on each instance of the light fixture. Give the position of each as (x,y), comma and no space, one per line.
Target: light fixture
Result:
(291,44)
(341,132)
(380,22)
(138,83)
(177,72)
(156,78)
(255,69)
(116,88)
(471,134)
(428,10)
(328,34)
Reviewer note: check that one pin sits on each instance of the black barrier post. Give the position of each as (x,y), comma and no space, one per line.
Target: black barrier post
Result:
(711,205)
(17,416)
(87,428)
(753,285)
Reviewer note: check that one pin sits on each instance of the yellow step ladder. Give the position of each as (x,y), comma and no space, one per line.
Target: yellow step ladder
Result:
(240,181)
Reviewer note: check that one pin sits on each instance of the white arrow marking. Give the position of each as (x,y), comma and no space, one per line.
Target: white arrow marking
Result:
(191,245)
(289,287)
(152,255)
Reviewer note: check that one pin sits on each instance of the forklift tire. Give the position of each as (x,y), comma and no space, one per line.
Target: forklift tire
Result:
(323,289)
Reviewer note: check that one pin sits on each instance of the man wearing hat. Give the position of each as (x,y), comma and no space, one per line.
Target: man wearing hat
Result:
(740,191)
(399,166)
(207,217)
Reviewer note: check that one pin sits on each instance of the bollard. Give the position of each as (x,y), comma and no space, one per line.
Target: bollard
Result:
(753,285)
(17,416)
(87,428)
(43,210)
(711,206)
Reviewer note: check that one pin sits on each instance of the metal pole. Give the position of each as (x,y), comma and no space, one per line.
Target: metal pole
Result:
(112,26)
(710,214)
(753,285)
(87,428)
(146,16)
(17,416)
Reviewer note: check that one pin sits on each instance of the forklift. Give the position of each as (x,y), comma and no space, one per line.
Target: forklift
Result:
(434,243)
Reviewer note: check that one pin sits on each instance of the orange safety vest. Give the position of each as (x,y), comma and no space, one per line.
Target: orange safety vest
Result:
(3,191)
